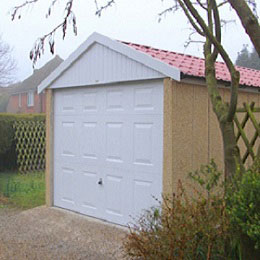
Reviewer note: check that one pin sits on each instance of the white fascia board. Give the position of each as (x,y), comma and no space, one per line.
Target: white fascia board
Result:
(102,83)
(117,46)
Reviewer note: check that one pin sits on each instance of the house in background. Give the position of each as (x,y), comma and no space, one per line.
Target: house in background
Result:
(23,95)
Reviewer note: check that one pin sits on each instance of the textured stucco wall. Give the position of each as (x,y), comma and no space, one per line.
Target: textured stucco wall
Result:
(49,149)
(196,137)
(167,137)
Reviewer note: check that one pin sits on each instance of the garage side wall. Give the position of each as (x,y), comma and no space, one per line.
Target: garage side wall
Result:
(49,149)
(196,137)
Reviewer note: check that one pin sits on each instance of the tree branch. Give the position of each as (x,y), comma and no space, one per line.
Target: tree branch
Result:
(102,8)
(190,40)
(233,73)
(17,8)
(217,25)
(202,5)
(249,21)
(223,3)
(50,8)
(168,10)
(210,74)
(191,20)
(38,48)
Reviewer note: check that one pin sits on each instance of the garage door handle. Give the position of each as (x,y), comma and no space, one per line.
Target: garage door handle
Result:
(100,182)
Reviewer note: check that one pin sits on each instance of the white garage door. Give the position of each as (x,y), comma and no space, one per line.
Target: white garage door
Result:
(108,149)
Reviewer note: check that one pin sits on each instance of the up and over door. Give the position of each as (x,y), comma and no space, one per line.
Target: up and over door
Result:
(108,149)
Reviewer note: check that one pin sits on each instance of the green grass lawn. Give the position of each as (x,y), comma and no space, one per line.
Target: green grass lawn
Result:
(22,190)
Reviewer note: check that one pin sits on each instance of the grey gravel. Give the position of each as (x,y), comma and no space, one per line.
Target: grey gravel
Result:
(51,233)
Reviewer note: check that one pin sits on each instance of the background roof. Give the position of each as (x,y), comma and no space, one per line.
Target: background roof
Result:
(36,78)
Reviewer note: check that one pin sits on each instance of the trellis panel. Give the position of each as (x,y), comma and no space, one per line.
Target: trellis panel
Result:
(30,145)
(250,143)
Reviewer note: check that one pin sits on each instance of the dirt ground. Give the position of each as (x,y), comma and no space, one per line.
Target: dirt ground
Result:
(51,233)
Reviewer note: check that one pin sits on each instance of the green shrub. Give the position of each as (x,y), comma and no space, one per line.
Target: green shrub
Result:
(243,207)
(4,98)
(6,133)
(8,149)
(8,160)
(184,226)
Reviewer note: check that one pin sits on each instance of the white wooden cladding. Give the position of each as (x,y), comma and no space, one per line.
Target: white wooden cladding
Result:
(100,65)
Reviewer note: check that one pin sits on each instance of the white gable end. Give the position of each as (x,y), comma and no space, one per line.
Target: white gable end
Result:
(100,64)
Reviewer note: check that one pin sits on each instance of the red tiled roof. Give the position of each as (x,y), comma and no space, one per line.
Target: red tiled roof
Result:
(194,66)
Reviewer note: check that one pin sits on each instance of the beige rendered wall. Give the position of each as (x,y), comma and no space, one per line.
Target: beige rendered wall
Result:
(196,137)
(49,149)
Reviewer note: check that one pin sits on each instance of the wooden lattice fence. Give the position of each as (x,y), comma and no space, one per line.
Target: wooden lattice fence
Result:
(30,145)
(247,117)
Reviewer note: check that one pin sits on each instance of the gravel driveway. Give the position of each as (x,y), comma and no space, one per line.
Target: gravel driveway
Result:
(50,233)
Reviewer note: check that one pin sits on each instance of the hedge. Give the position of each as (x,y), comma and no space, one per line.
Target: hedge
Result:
(22,142)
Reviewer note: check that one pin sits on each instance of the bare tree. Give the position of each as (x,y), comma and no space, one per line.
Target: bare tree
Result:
(7,64)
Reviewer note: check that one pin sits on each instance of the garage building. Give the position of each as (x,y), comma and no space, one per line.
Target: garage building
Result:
(125,122)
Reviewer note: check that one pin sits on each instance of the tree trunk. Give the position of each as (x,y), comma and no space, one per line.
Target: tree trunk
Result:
(232,158)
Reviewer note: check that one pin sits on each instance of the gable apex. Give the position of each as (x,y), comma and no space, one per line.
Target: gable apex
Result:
(118,47)
(102,65)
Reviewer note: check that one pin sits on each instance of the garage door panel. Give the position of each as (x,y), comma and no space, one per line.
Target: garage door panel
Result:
(114,100)
(114,187)
(117,141)
(146,193)
(147,186)
(147,99)
(143,143)
(92,140)
(92,101)
(66,148)
(143,192)
(114,141)
(117,194)
(67,178)
(117,100)
(90,201)
(146,130)
(66,103)
(65,183)
(90,145)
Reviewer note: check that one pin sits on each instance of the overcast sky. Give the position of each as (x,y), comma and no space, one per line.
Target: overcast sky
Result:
(128,20)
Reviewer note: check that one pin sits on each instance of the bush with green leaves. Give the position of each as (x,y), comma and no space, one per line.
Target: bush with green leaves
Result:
(4,98)
(184,226)
(243,207)
(6,133)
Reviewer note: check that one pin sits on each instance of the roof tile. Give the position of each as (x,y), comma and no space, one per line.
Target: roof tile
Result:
(194,66)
